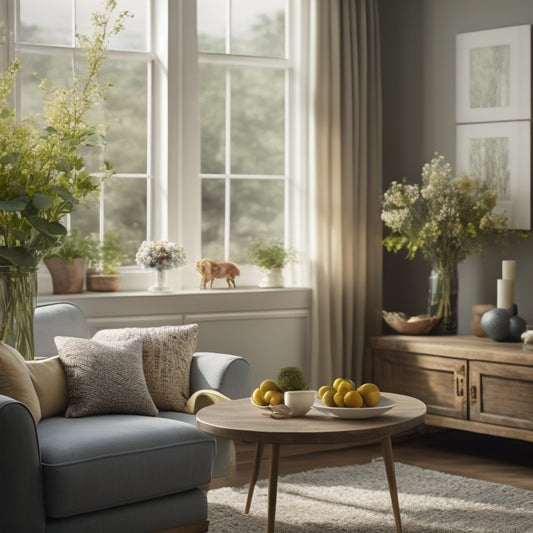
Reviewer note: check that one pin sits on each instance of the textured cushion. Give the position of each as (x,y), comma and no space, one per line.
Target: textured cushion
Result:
(105,461)
(104,378)
(167,355)
(50,382)
(15,380)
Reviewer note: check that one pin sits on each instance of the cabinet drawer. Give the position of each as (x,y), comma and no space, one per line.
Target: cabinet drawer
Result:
(440,382)
(501,394)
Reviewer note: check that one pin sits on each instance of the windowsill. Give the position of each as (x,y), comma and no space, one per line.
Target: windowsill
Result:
(187,301)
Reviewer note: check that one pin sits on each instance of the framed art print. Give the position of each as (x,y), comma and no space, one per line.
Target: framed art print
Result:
(500,154)
(493,78)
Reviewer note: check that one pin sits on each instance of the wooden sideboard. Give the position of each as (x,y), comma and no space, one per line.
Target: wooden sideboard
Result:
(468,383)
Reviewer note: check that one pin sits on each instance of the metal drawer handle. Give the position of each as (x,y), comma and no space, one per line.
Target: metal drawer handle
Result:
(473,394)
(460,382)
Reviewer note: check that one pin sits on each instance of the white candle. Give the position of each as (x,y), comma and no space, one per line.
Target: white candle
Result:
(505,293)
(509,269)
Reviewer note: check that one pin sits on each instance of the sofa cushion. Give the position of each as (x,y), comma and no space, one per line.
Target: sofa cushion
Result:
(167,355)
(15,380)
(50,382)
(108,460)
(104,378)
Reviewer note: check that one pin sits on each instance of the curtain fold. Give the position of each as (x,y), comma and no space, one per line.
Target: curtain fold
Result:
(346,148)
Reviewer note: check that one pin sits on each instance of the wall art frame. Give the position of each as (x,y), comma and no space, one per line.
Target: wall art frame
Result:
(493,75)
(499,153)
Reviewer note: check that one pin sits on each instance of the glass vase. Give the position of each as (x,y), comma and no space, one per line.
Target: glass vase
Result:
(442,298)
(161,285)
(18,287)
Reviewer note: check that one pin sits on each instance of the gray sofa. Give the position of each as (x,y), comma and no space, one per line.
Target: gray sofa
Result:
(116,472)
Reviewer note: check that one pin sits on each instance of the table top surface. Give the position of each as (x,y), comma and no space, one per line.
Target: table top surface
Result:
(240,420)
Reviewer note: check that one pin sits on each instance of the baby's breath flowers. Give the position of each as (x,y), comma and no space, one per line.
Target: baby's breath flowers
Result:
(160,255)
(446,218)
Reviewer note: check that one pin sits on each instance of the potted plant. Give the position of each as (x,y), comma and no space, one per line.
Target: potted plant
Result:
(272,257)
(103,274)
(43,174)
(67,262)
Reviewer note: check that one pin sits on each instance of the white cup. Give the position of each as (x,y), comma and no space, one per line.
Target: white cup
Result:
(299,401)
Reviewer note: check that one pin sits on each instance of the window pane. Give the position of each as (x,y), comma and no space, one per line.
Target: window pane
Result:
(86,216)
(126,112)
(125,212)
(258,28)
(257,121)
(213,201)
(211,24)
(212,118)
(257,212)
(48,22)
(135,34)
(56,68)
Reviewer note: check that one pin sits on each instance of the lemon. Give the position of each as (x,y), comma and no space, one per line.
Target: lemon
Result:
(337,382)
(370,394)
(328,398)
(352,382)
(322,390)
(257,397)
(353,399)
(268,384)
(339,399)
(344,386)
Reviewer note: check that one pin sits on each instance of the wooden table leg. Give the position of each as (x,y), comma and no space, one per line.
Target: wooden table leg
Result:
(273,487)
(391,478)
(254,475)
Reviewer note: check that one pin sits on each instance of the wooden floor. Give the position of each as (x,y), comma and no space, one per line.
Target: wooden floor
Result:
(467,454)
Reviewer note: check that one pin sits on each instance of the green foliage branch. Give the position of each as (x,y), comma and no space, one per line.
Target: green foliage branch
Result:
(42,170)
(271,255)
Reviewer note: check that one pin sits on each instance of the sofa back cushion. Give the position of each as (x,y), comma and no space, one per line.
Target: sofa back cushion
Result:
(15,380)
(50,382)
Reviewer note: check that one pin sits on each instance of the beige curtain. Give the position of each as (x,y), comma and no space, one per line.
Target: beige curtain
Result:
(346,148)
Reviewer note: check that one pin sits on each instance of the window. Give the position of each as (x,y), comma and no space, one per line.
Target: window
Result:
(245,78)
(213,184)
(46,44)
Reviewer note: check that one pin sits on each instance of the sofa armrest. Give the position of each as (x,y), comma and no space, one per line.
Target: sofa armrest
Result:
(21,486)
(228,374)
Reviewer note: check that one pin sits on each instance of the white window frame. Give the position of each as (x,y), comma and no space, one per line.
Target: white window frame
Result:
(174,192)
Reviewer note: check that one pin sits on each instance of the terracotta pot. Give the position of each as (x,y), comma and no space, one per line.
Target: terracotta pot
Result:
(67,278)
(103,282)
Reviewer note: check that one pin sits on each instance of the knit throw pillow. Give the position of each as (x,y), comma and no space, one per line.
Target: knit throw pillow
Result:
(167,356)
(104,378)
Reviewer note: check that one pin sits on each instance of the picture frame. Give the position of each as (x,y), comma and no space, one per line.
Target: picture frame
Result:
(500,154)
(493,75)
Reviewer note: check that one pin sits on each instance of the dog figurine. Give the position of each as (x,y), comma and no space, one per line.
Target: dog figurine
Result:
(217,269)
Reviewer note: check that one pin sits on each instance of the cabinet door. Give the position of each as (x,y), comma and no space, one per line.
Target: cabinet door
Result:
(501,394)
(440,382)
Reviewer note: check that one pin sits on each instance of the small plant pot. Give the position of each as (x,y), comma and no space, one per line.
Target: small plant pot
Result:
(103,282)
(67,278)
(272,279)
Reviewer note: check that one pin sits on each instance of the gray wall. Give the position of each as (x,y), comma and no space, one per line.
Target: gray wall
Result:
(418,64)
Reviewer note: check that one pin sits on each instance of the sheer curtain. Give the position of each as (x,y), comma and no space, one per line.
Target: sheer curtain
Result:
(346,163)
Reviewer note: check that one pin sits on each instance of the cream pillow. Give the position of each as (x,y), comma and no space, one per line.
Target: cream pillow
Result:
(50,382)
(167,356)
(15,380)
(104,378)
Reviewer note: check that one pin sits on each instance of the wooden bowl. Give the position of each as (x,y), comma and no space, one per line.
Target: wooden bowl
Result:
(415,325)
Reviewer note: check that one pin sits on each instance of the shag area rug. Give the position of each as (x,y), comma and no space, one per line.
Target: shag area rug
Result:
(356,499)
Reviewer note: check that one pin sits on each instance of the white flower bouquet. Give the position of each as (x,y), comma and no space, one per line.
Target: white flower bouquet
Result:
(160,255)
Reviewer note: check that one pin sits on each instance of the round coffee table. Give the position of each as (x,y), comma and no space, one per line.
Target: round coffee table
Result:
(239,420)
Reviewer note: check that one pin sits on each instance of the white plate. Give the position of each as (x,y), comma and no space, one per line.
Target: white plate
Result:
(262,407)
(357,413)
